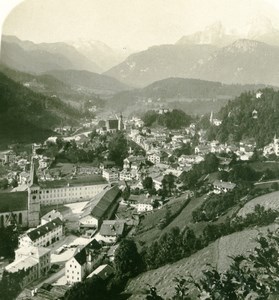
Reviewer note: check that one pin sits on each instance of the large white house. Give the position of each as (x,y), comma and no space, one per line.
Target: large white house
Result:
(81,264)
(34,260)
(43,235)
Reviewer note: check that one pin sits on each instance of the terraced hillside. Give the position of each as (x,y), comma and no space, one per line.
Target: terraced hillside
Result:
(217,254)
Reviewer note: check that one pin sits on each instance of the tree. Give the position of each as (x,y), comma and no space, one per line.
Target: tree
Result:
(127,260)
(210,163)
(85,289)
(11,284)
(168,183)
(147,183)
(118,148)
(126,193)
(8,241)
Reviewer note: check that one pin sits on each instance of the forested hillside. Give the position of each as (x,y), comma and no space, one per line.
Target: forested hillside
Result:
(248,116)
(26,116)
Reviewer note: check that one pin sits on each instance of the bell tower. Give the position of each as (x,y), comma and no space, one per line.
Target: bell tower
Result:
(33,198)
(120,123)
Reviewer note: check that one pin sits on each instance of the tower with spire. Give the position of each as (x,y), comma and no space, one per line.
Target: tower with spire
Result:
(120,123)
(211,118)
(33,197)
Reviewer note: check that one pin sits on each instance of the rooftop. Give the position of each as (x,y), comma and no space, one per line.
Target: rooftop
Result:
(103,271)
(112,227)
(44,229)
(224,184)
(80,181)
(23,263)
(13,201)
(102,202)
(32,251)
(81,254)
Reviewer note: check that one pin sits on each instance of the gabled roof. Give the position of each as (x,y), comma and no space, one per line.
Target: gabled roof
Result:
(14,201)
(81,254)
(103,271)
(224,185)
(106,199)
(132,159)
(112,227)
(44,229)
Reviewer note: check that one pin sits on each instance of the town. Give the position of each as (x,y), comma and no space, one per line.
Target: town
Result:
(139,150)
(71,200)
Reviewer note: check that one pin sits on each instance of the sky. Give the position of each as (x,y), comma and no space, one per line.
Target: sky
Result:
(136,24)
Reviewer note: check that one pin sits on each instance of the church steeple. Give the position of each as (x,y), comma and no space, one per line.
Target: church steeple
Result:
(211,118)
(120,123)
(33,197)
(33,176)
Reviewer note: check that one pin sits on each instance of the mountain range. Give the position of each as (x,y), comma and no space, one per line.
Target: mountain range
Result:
(241,62)
(213,54)
(97,51)
(29,57)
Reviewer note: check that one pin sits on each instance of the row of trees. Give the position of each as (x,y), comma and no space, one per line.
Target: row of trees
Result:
(113,146)
(177,244)
(172,120)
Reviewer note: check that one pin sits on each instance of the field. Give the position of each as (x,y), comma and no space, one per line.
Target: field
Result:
(148,230)
(216,254)
(270,200)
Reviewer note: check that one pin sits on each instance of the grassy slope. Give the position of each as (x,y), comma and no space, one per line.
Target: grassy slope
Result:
(148,230)
(268,201)
(216,254)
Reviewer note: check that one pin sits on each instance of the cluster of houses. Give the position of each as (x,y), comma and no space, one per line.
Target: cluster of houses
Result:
(33,256)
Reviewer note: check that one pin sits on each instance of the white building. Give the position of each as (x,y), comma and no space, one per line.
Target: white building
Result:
(144,206)
(34,260)
(44,235)
(59,192)
(80,265)
(222,186)
(110,175)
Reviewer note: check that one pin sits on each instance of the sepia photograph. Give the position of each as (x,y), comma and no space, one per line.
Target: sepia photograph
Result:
(139,149)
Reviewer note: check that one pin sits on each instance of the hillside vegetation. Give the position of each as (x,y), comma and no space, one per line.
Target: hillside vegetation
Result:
(249,117)
(26,116)
(218,254)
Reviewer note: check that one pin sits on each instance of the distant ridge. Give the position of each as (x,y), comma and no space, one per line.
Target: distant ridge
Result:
(38,58)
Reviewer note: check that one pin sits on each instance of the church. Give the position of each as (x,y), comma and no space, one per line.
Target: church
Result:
(23,208)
